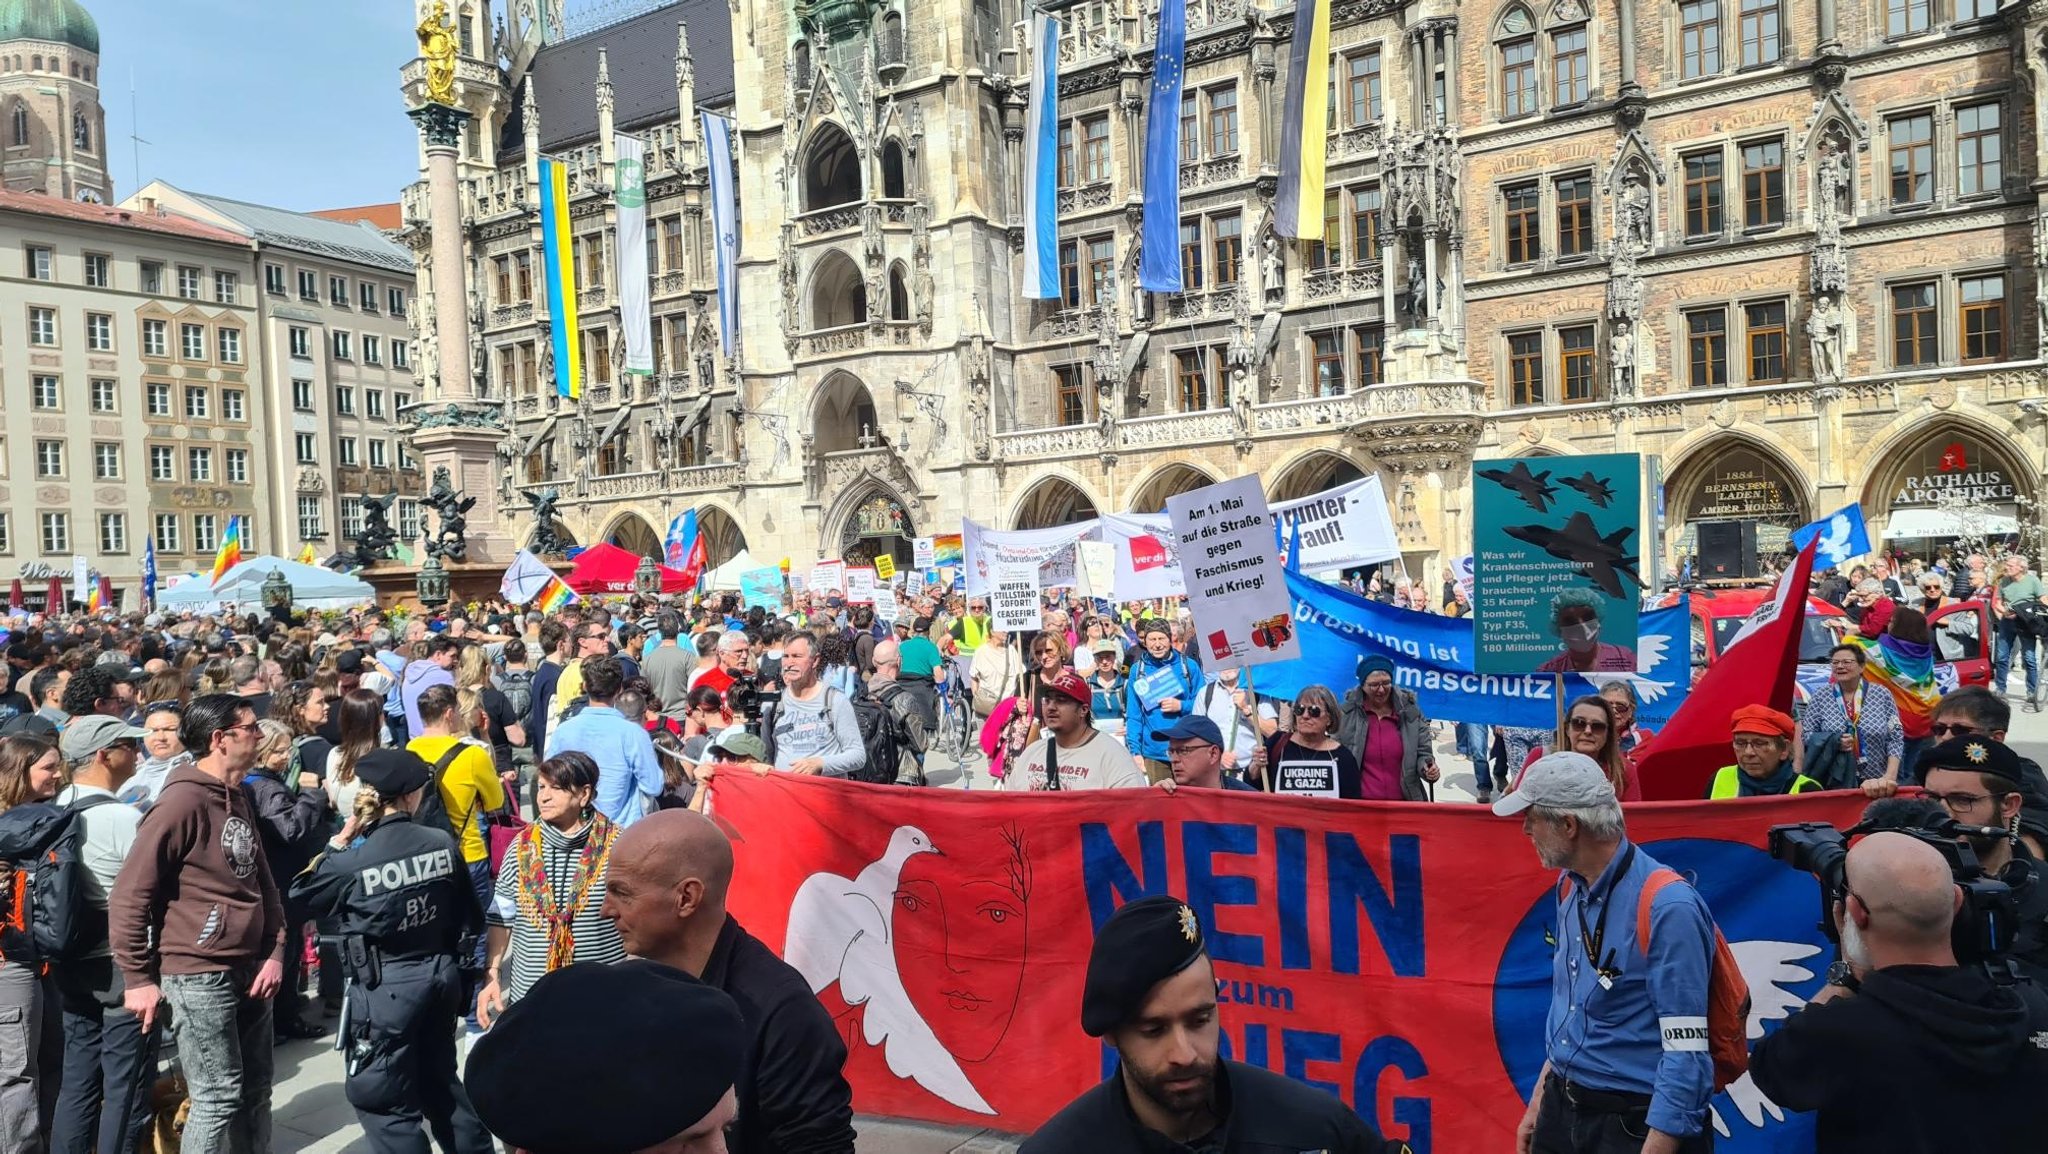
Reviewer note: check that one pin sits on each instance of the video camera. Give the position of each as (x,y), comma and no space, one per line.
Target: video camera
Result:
(1984,926)
(746,698)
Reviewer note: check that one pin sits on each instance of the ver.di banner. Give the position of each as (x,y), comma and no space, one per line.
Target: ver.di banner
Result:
(1393,954)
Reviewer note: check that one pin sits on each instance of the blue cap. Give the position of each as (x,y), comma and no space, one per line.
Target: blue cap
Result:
(1195,727)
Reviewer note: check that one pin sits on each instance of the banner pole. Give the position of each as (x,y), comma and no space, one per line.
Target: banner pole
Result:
(1266,774)
(1558,680)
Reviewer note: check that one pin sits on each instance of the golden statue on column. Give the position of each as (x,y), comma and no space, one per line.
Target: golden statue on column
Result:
(438,47)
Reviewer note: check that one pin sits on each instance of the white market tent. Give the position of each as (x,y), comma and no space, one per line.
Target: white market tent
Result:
(727,576)
(312,587)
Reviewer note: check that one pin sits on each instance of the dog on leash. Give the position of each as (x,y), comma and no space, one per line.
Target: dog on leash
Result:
(169,1106)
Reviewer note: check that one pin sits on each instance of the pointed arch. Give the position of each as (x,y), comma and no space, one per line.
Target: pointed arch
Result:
(1168,480)
(839,295)
(899,293)
(1736,474)
(631,532)
(1052,500)
(1311,473)
(721,533)
(19,132)
(1975,454)
(831,168)
(842,412)
(894,183)
(1516,84)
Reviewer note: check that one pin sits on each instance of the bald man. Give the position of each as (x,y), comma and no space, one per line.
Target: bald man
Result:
(1904,1050)
(665,892)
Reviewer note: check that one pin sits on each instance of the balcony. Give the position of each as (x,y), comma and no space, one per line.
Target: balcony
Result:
(826,221)
(1341,284)
(844,339)
(626,485)
(592,298)
(1208,172)
(513,314)
(1087,196)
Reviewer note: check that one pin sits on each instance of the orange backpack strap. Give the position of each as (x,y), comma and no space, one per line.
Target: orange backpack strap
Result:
(1652,886)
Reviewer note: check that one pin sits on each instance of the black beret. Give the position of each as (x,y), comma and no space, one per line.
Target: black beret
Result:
(348,661)
(605,1059)
(393,773)
(1140,946)
(1973,754)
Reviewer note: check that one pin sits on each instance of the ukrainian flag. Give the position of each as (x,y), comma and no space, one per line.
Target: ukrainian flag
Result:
(558,270)
(1298,203)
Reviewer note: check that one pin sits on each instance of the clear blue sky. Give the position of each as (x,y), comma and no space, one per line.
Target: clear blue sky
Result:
(292,103)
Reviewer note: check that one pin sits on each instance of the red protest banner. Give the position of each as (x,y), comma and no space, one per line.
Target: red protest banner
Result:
(1393,954)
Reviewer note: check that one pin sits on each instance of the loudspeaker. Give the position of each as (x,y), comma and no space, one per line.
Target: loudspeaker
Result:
(1728,550)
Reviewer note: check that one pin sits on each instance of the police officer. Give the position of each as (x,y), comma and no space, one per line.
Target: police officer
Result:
(1981,781)
(1151,995)
(612,1059)
(401,902)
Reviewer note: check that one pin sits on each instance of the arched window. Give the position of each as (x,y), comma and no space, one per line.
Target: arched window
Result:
(81,130)
(20,118)
(831,170)
(38,63)
(899,294)
(839,297)
(800,64)
(1515,47)
(892,171)
(892,38)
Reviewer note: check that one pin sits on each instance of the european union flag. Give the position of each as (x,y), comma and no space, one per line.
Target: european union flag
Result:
(1159,269)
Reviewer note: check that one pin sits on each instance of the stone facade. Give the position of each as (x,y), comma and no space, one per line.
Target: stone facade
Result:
(1526,253)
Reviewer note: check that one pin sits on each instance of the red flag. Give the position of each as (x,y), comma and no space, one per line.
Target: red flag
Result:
(54,601)
(1756,669)
(695,564)
(14,597)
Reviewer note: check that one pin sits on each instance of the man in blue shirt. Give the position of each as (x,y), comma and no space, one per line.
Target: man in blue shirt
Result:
(1628,1068)
(627,772)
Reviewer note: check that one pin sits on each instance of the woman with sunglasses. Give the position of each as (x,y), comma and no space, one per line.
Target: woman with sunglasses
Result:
(1382,725)
(1589,728)
(1308,760)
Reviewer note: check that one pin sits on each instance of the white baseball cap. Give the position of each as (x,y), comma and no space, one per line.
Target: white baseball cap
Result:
(1558,781)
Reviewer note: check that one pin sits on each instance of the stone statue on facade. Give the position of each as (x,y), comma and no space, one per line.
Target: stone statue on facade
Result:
(1632,224)
(451,539)
(546,540)
(977,419)
(438,47)
(1271,277)
(871,232)
(1621,358)
(375,540)
(1825,327)
(1831,181)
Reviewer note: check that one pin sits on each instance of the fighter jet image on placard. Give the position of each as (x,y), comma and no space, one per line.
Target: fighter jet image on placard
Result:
(1604,558)
(1534,489)
(1594,489)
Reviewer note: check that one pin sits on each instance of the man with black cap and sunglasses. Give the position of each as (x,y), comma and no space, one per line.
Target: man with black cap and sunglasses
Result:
(402,904)
(1151,996)
(1979,781)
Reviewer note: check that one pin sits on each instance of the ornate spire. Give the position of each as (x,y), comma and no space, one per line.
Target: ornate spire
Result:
(686,72)
(604,83)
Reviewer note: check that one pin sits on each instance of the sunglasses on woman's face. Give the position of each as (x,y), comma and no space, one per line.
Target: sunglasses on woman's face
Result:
(1309,710)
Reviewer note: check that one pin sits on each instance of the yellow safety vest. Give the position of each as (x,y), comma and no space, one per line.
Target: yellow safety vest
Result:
(972,634)
(1728,783)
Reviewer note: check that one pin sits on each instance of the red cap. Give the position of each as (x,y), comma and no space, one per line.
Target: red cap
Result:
(1761,719)
(1067,684)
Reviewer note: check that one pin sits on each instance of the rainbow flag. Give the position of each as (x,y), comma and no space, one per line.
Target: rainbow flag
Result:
(1298,202)
(230,554)
(554,595)
(558,272)
(947,549)
(92,599)
(1906,670)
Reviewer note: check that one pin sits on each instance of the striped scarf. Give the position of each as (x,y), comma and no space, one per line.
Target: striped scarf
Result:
(538,902)
(1906,670)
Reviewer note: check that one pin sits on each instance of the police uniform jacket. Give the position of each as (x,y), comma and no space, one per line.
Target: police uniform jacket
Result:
(404,887)
(1263,1112)
(793,1093)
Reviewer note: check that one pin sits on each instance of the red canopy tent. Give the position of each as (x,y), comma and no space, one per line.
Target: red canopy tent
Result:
(609,569)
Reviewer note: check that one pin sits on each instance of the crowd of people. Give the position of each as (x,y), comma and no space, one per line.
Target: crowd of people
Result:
(372,826)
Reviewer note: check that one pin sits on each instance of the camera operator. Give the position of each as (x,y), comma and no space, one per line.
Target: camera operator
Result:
(1979,781)
(1969,1052)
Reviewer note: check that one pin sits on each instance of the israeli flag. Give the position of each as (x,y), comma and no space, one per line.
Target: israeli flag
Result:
(1041,154)
(1842,534)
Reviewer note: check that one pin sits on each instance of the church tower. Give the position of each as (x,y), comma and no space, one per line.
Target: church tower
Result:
(53,132)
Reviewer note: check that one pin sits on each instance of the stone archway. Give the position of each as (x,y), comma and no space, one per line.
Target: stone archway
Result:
(831,169)
(875,521)
(1735,478)
(1956,480)
(632,533)
(723,537)
(1150,497)
(842,414)
(1052,501)
(1313,474)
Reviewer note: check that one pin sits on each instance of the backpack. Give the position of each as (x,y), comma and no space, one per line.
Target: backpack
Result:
(910,728)
(1727,1029)
(433,812)
(517,686)
(878,736)
(46,894)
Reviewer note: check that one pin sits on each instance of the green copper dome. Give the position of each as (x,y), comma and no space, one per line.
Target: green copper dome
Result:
(61,21)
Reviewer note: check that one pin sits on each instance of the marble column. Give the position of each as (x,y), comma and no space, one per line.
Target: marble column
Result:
(441,126)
